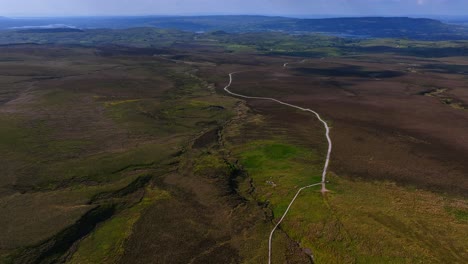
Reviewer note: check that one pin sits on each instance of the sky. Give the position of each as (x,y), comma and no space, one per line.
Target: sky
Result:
(264,7)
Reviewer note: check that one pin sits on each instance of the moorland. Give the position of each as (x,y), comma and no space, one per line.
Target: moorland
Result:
(121,146)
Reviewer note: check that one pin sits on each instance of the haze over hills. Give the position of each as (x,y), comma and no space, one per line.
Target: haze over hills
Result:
(381,27)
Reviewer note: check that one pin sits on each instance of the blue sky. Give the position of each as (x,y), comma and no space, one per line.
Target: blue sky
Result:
(267,7)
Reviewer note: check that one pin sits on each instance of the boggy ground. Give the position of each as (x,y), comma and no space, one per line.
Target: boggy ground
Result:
(135,156)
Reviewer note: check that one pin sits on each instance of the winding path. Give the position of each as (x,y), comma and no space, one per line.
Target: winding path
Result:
(327,161)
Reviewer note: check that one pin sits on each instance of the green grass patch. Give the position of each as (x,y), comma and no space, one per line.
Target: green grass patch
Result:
(239,48)
(279,169)
(211,165)
(461,215)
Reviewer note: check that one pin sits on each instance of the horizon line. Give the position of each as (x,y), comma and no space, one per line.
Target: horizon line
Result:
(303,16)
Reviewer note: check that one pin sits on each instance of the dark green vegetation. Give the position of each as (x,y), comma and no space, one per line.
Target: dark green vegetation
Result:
(379,27)
(267,43)
(119,146)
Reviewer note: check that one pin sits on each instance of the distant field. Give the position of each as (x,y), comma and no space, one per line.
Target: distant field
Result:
(122,147)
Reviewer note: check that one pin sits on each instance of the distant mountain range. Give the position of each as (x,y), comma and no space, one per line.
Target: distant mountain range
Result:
(379,27)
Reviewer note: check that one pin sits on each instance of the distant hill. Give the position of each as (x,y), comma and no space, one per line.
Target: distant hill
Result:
(49,30)
(386,27)
(379,27)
